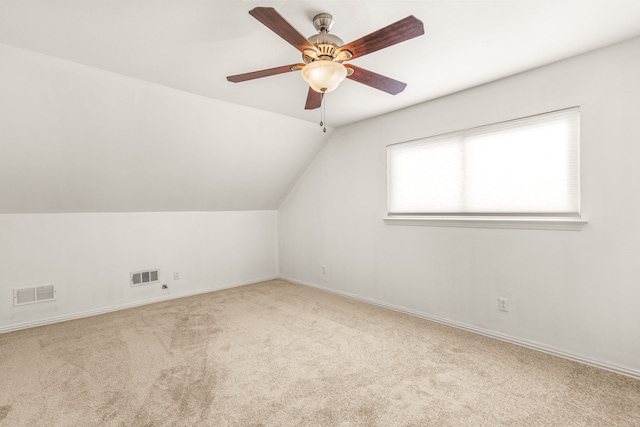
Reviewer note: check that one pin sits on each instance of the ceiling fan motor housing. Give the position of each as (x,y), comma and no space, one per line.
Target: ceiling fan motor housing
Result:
(325,43)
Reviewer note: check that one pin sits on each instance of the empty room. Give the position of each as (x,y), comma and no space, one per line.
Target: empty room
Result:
(297,213)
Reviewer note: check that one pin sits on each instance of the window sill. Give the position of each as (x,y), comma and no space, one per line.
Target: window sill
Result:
(543,223)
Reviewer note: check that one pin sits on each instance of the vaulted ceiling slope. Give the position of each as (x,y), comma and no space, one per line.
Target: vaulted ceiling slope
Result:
(123,105)
(78,139)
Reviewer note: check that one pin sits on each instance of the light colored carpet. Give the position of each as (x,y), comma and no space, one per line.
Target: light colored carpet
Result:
(279,354)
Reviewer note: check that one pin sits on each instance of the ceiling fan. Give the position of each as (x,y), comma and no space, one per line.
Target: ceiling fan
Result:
(324,53)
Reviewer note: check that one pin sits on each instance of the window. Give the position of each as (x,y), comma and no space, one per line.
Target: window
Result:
(514,171)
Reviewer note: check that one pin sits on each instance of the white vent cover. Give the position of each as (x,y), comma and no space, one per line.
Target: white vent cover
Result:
(145,277)
(31,295)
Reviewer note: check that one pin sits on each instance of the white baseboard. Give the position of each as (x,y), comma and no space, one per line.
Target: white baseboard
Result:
(88,313)
(486,332)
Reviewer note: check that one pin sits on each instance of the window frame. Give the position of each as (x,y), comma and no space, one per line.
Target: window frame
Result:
(533,220)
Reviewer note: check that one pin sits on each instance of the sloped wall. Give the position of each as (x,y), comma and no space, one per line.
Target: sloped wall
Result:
(570,292)
(78,139)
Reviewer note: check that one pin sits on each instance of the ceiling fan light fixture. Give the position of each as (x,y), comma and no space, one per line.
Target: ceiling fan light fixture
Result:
(324,76)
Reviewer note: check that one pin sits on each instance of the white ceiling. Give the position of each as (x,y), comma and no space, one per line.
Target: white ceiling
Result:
(191,45)
(123,105)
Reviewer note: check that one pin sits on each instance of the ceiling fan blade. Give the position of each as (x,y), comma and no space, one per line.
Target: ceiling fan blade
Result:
(264,73)
(398,32)
(314,100)
(375,80)
(276,23)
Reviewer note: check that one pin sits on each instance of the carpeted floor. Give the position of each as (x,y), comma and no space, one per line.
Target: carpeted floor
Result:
(279,354)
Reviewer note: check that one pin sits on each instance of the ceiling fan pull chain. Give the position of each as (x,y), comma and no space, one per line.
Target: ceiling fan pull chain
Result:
(321,111)
(323,114)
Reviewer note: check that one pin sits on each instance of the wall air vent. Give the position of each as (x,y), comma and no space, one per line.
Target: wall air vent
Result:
(34,294)
(145,277)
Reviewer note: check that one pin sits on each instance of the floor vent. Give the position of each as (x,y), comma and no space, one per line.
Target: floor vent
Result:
(144,277)
(32,295)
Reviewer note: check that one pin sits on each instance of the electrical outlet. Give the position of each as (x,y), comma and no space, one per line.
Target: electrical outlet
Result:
(503,304)
(176,275)
(324,269)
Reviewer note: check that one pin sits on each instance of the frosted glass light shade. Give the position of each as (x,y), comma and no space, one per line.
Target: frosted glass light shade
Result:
(324,76)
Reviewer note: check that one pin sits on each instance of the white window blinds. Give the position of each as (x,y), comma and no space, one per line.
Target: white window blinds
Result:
(528,166)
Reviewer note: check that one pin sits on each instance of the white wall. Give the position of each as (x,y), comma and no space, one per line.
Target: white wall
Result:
(89,257)
(576,292)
